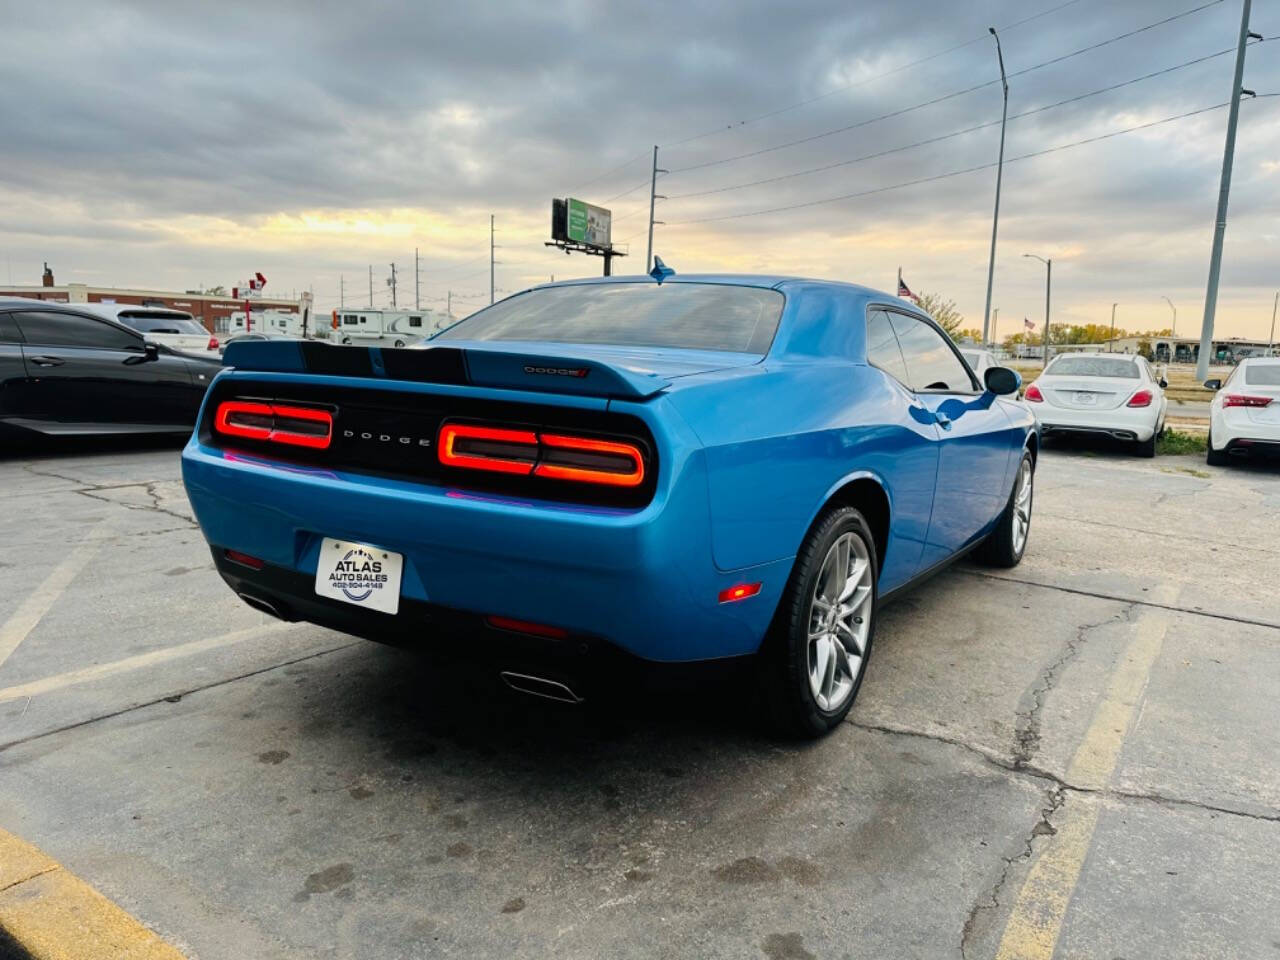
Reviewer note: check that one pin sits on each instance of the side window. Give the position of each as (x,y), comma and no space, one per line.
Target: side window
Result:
(415,321)
(9,330)
(72,330)
(348,320)
(882,347)
(931,363)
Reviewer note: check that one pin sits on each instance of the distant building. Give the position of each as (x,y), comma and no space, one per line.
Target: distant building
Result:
(213,311)
(1187,349)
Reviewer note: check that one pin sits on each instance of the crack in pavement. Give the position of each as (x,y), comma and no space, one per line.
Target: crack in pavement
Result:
(93,491)
(1080,592)
(1026,735)
(1054,799)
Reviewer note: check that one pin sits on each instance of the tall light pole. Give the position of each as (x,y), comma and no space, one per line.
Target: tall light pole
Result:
(995,219)
(1111,342)
(1173,347)
(1224,192)
(1048,284)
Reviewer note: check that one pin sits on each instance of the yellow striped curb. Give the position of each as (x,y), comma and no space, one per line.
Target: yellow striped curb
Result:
(53,915)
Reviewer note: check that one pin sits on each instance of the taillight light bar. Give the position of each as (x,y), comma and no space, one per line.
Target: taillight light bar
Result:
(1140,399)
(275,423)
(1034,395)
(554,456)
(1245,400)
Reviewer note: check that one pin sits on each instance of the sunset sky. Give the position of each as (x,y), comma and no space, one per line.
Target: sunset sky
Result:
(169,145)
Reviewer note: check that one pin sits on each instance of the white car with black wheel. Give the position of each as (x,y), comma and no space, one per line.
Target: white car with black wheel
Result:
(1100,394)
(1244,417)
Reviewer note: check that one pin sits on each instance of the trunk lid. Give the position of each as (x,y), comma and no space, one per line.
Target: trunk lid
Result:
(1088,393)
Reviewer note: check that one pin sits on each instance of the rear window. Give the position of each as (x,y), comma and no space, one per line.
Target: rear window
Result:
(694,316)
(1262,374)
(163,323)
(1093,367)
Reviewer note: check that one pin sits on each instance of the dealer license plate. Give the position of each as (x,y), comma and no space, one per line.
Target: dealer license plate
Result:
(359,574)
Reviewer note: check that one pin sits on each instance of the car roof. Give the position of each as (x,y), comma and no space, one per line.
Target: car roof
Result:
(115,309)
(768,281)
(25,303)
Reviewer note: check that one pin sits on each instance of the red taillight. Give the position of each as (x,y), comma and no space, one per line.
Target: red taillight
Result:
(1140,399)
(739,592)
(275,422)
(488,448)
(213,344)
(1245,400)
(525,626)
(1034,394)
(235,556)
(590,461)
(553,456)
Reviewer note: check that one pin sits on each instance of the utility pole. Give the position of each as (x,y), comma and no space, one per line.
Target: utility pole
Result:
(995,219)
(995,319)
(371,285)
(1111,342)
(1224,193)
(448,310)
(1271,340)
(1048,285)
(653,196)
(417,298)
(392,284)
(342,292)
(491,248)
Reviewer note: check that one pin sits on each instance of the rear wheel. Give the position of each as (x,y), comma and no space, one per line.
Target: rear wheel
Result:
(399,343)
(813,662)
(1006,543)
(1215,458)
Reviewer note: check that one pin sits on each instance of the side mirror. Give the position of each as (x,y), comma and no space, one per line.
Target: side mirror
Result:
(1163,383)
(151,351)
(1002,381)
(1213,384)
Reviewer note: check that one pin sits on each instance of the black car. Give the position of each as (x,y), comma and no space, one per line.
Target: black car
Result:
(67,372)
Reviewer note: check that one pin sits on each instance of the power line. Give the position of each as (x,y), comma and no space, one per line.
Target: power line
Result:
(612,170)
(880,76)
(957,173)
(642,183)
(947,96)
(949,136)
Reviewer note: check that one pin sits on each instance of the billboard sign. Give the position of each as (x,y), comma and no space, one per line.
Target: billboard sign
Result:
(588,224)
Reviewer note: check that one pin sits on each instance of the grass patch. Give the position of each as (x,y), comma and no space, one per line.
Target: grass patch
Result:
(1175,442)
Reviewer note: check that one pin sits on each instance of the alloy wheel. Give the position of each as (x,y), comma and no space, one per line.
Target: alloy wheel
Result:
(840,621)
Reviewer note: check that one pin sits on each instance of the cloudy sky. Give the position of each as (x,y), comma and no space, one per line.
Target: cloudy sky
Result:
(170,144)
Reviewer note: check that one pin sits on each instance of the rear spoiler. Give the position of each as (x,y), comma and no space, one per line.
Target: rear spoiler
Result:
(479,366)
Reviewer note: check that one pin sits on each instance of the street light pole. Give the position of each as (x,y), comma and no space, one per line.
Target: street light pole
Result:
(1271,340)
(995,219)
(1173,346)
(1111,342)
(1224,192)
(1048,285)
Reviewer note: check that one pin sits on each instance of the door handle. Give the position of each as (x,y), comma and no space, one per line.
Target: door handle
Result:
(46,361)
(942,420)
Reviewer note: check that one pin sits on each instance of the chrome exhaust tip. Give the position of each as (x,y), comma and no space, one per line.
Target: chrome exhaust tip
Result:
(539,687)
(264,605)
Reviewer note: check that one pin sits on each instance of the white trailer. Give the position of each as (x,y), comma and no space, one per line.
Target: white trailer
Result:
(397,328)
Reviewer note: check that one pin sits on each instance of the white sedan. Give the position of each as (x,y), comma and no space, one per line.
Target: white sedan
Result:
(1106,394)
(1245,414)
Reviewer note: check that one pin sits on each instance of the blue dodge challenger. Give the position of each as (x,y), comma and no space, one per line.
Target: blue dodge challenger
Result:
(607,473)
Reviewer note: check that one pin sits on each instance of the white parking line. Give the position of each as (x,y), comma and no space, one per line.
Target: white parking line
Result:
(98,671)
(32,610)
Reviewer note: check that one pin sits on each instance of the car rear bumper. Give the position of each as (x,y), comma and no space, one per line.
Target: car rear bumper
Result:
(1121,424)
(640,579)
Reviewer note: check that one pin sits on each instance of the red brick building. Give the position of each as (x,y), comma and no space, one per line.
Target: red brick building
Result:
(209,310)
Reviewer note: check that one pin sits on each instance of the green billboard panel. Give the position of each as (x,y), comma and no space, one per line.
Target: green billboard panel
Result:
(588,224)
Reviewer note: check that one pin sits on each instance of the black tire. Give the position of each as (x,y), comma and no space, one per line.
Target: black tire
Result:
(1215,458)
(399,343)
(1000,548)
(1146,448)
(784,658)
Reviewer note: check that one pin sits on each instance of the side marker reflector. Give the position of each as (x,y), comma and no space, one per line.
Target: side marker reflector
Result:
(740,591)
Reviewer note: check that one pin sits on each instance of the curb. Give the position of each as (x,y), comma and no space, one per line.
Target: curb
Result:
(47,913)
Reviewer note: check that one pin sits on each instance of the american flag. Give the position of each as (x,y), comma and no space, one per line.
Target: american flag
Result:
(905,291)
(1028,324)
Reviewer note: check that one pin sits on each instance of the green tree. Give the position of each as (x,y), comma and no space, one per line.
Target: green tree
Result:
(943,311)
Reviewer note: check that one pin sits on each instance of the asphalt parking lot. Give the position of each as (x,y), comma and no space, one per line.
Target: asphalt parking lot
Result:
(1080,753)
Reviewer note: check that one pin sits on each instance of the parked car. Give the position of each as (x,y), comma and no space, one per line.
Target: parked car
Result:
(1244,417)
(1101,394)
(619,470)
(173,328)
(979,360)
(250,336)
(66,371)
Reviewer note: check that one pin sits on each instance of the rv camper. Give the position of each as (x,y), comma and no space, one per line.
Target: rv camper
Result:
(398,328)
